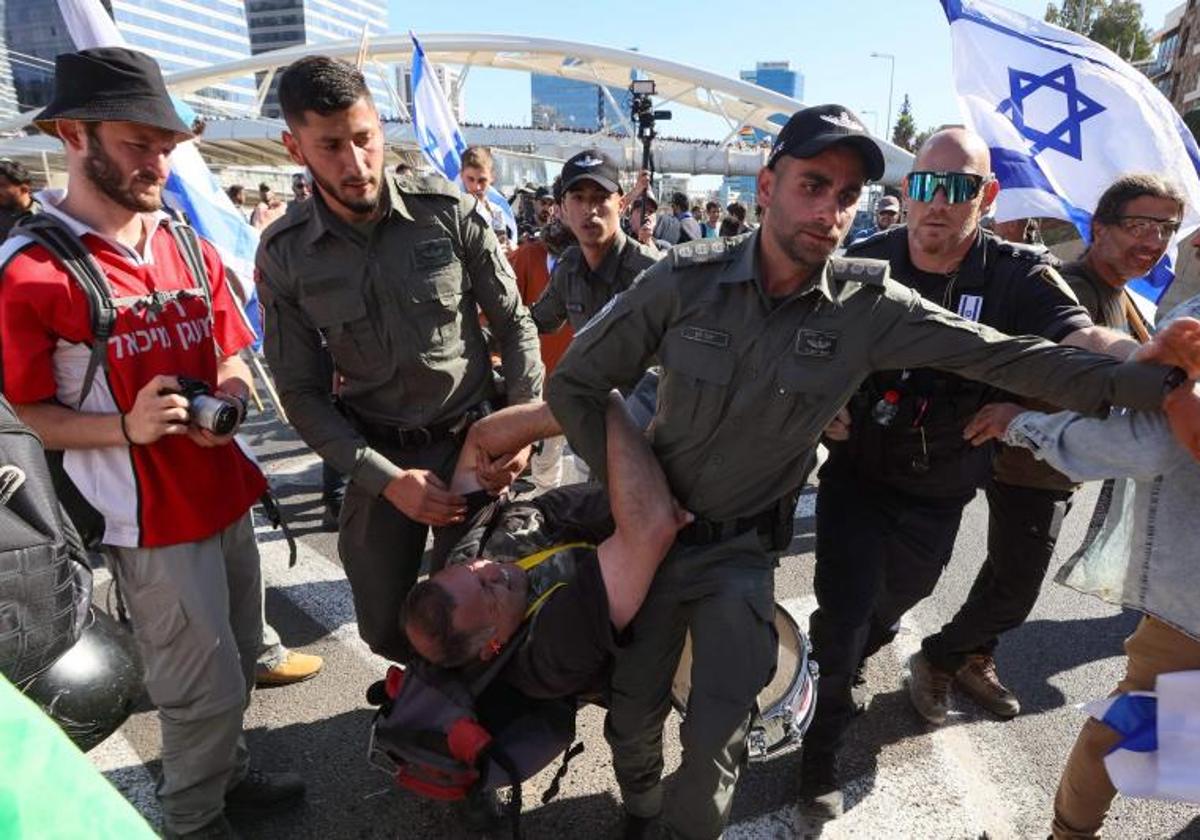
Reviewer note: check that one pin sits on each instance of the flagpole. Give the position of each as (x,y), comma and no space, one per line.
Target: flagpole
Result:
(887,129)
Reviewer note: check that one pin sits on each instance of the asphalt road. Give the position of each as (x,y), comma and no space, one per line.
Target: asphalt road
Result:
(976,777)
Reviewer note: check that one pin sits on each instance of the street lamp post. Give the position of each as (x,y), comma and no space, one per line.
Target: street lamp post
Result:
(891,86)
(874,119)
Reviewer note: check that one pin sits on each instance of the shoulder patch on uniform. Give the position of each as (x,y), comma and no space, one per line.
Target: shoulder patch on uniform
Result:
(297,215)
(1022,251)
(430,185)
(859,270)
(701,251)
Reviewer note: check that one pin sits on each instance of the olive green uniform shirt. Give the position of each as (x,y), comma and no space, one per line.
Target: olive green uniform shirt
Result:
(398,309)
(576,293)
(749,383)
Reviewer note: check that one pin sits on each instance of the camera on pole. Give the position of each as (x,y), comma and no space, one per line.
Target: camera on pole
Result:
(645,117)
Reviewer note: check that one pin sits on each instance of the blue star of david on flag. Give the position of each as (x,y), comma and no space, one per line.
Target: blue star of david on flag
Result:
(1066,137)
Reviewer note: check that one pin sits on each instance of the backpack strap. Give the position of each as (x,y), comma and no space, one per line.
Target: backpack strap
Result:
(189,246)
(75,258)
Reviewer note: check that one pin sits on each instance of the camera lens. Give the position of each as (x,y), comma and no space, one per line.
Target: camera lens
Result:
(216,415)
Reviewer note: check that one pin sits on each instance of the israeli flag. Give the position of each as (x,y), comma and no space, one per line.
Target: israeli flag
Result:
(1156,757)
(439,136)
(191,188)
(1064,117)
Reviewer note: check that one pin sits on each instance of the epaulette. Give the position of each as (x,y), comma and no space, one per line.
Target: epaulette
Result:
(432,184)
(701,251)
(859,270)
(297,214)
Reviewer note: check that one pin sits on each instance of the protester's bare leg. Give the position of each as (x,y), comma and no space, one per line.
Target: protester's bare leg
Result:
(644,511)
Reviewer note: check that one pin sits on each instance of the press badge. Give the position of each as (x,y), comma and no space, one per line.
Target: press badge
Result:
(971,307)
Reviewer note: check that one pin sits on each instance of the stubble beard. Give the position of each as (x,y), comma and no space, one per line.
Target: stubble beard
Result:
(107,177)
(361,206)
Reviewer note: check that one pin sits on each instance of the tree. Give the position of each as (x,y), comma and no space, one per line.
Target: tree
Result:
(906,126)
(1117,24)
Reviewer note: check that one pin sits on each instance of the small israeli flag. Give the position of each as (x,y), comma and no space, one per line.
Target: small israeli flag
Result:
(1064,117)
(439,136)
(1158,756)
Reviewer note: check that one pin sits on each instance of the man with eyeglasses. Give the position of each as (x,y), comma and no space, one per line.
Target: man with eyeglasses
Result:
(900,472)
(761,338)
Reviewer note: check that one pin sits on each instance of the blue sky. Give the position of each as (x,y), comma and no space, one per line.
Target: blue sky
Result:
(829,42)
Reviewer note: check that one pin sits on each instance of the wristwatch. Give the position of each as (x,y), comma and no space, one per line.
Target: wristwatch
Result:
(1175,377)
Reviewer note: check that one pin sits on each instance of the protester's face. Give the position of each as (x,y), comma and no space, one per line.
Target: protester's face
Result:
(714,216)
(476,180)
(545,209)
(301,190)
(128,163)
(1129,254)
(812,202)
(489,598)
(344,154)
(884,219)
(237,197)
(12,196)
(591,212)
(937,227)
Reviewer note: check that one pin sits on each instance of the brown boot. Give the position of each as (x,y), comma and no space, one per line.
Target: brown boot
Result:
(929,689)
(978,679)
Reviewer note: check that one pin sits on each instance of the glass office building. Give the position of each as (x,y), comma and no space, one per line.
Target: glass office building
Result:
(180,34)
(275,24)
(556,102)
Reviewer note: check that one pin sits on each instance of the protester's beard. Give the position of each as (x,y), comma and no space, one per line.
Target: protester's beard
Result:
(106,176)
(364,205)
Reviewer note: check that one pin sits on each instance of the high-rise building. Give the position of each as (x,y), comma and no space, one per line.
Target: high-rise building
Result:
(179,34)
(1175,69)
(781,78)
(275,24)
(567,103)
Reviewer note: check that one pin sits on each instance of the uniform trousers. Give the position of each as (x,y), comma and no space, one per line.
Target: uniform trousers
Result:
(381,548)
(723,594)
(1085,792)
(196,610)
(1023,526)
(879,552)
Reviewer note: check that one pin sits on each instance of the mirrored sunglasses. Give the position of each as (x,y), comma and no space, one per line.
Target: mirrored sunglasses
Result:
(958,186)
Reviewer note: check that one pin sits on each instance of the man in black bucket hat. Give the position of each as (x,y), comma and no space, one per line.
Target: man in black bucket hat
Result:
(171,495)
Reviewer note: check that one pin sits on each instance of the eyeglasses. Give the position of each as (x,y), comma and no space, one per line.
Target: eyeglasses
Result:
(1139,226)
(958,186)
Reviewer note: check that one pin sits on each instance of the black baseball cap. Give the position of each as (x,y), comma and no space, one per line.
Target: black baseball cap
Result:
(811,131)
(591,165)
(543,194)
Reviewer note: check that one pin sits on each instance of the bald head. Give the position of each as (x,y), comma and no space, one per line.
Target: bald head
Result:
(954,150)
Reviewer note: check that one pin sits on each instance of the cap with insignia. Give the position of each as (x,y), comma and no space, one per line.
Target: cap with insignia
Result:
(591,165)
(811,131)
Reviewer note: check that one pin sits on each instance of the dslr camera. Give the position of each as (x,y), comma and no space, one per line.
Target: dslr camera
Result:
(219,416)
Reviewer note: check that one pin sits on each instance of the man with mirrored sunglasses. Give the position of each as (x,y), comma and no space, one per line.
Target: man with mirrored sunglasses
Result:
(900,473)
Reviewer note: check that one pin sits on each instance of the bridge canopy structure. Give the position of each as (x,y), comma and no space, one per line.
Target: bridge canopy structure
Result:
(740,104)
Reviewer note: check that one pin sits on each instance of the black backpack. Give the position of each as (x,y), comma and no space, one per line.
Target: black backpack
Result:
(45,581)
(75,258)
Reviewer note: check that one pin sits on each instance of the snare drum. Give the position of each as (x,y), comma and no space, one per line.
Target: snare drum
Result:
(785,707)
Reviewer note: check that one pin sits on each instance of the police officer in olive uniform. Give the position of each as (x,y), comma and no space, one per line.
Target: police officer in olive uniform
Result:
(762,338)
(605,261)
(891,496)
(392,272)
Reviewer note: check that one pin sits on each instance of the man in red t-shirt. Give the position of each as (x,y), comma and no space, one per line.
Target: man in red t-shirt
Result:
(175,498)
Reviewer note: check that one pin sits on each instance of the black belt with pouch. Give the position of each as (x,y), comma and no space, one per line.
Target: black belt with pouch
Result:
(422,436)
(775,526)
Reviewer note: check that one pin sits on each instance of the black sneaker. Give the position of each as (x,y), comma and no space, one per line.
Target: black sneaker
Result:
(262,791)
(481,812)
(820,793)
(218,829)
(640,828)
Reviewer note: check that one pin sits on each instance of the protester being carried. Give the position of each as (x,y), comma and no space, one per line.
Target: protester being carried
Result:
(469,611)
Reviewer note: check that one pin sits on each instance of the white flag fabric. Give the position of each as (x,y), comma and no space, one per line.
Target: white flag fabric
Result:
(1064,117)
(439,136)
(191,188)
(1156,757)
